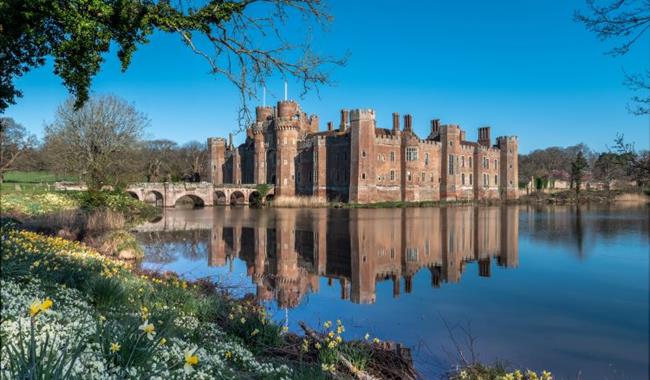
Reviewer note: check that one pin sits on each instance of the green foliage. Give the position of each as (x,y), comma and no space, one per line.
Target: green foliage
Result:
(78,33)
(578,167)
(106,292)
(31,360)
(117,201)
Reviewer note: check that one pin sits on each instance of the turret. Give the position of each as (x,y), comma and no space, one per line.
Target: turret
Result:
(362,147)
(263,114)
(216,159)
(509,167)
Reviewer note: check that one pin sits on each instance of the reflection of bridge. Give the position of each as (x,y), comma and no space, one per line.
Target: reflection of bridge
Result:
(167,194)
(286,251)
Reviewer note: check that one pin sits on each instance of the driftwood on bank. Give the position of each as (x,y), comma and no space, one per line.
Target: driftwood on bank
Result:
(388,360)
(358,374)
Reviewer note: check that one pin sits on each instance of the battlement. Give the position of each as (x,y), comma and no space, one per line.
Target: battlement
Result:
(287,108)
(362,114)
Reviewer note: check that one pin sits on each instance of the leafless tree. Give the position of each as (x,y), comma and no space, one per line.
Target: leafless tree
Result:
(98,140)
(626,22)
(158,157)
(15,142)
(256,43)
(193,156)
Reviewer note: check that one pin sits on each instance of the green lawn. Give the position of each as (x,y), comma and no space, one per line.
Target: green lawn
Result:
(32,181)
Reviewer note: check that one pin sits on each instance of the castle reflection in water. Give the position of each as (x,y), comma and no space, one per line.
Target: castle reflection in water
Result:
(287,251)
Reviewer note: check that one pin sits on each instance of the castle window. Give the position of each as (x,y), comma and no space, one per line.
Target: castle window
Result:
(392,175)
(408,176)
(363,153)
(284,162)
(423,177)
(392,156)
(486,163)
(496,179)
(470,162)
(363,175)
(411,254)
(426,159)
(496,164)
(392,253)
(462,178)
(470,179)
(485,180)
(411,154)
(450,164)
(462,161)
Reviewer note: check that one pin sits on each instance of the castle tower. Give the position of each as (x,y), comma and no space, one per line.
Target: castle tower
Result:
(286,132)
(216,159)
(451,149)
(362,240)
(509,169)
(262,115)
(362,155)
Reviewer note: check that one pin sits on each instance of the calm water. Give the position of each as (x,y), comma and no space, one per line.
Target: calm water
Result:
(552,287)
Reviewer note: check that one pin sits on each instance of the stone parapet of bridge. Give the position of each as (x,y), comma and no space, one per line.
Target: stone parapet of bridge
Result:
(167,194)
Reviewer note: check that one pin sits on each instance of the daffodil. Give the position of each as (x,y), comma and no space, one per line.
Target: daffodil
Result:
(376,340)
(327,324)
(367,336)
(546,375)
(37,306)
(115,347)
(191,360)
(163,341)
(149,329)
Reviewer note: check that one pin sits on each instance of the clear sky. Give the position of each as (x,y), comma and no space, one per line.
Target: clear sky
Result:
(523,67)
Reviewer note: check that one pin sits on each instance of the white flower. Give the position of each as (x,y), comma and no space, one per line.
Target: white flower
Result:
(149,329)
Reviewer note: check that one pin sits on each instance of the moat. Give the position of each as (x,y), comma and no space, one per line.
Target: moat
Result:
(558,288)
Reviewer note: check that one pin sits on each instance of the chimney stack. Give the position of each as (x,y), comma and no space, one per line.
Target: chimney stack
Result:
(345,117)
(463,135)
(484,136)
(408,123)
(230,140)
(395,121)
(330,126)
(435,127)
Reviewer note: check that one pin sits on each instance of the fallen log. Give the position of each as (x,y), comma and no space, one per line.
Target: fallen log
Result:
(357,373)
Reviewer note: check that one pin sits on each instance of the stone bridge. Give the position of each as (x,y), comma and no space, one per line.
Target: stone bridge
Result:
(169,194)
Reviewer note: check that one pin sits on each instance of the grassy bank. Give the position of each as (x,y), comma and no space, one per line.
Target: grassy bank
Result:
(67,308)
(32,181)
(99,219)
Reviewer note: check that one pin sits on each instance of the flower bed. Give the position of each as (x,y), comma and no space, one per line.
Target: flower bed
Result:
(102,320)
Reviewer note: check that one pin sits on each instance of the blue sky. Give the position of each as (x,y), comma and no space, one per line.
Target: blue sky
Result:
(523,67)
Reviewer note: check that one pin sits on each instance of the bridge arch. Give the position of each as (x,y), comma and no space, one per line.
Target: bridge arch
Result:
(237,198)
(154,197)
(255,198)
(189,200)
(220,198)
(133,194)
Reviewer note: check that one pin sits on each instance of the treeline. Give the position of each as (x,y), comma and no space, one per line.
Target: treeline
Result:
(578,163)
(102,144)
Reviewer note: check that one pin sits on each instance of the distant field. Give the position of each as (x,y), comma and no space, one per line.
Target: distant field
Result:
(33,181)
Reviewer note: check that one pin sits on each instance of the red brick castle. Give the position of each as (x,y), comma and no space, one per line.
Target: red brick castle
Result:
(359,162)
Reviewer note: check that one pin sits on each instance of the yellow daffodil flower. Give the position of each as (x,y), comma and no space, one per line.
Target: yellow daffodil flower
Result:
(191,361)
(115,347)
(149,329)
